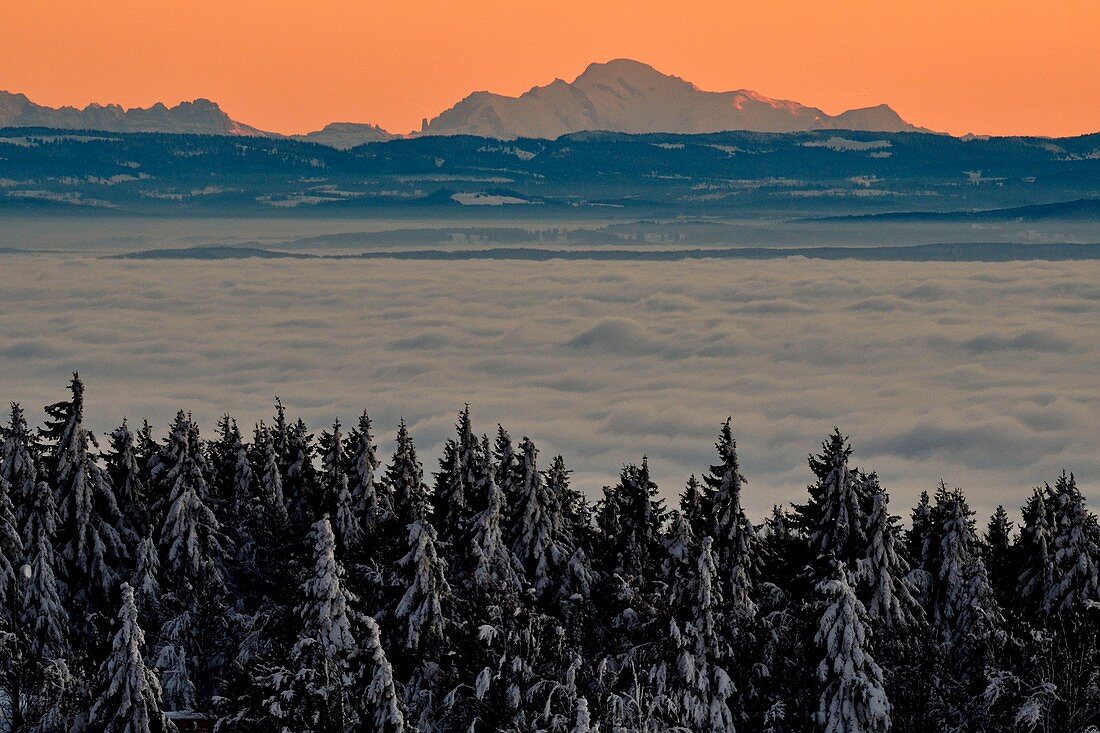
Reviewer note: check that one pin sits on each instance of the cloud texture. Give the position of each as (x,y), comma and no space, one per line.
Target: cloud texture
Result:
(983,375)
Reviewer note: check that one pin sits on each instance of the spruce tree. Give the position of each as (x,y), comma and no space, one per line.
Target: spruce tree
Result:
(734,536)
(18,463)
(378,707)
(1036,580)
(89,544)
(405,477)
(494,564)
(145,582)
(538,545)
(1000,555)
(426,591)
(237,484)
(421,608)
(576,514)
(335,497)
(506,471)
(369,500)
(314,692)
(269,480)
(42,660)
(129,483)
(193,562)
(45,618)
(703,654)
(695,507)
(233,486)
(630,518)
(835,519)
(1076,550)
(854,699)
(965,607)
(455,500)
(883,571)
(965,615)
(130,701)
(921,540)
(44,615)
(301,484)
(11,556)
(781,547)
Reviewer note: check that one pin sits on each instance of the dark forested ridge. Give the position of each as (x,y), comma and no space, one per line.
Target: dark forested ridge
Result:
(824,173)
(295,581)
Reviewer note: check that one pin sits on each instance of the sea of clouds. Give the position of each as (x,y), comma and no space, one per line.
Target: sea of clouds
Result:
(983,375)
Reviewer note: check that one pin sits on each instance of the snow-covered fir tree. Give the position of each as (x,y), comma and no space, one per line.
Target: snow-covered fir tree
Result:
(695,507)
(238,486)
(377,705)
(1000,555)
(884,571)
(835,516)
(269,479)
(44,617)
(733,533)
(1076,550)
(301,486)
(1036,578)
(921,540)
(630,518)
(370,502)
(18,464)
(422,603)
(494,564)
(90,546)
(506,471)
(43,631)
(706,688)
(965,608)
(421,609)
(405,477)
(130,700)
(145,580)
(193,564)
(538,545)
(335,498)
(11,555)
(314,691)
(455,500)
(128,480)
(853,699)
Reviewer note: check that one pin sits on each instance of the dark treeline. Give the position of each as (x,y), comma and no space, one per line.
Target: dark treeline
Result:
(298,582)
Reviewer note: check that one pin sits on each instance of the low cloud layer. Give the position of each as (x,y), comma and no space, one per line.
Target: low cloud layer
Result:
(984,375)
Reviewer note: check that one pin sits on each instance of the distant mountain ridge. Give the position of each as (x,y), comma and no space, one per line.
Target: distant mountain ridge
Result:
(201,117)
(628,96)
(346,135)
(618,96)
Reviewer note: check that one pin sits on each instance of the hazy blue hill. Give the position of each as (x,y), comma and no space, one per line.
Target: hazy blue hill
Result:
(1079,210)
(821,173)
(946,252)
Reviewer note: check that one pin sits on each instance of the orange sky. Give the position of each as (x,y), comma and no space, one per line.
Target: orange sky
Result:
(987,66)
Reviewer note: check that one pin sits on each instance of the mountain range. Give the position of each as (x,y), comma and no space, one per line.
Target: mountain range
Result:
(617,96)
(201,117)
(632,97)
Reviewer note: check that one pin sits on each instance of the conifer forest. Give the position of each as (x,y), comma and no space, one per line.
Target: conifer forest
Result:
(281,578)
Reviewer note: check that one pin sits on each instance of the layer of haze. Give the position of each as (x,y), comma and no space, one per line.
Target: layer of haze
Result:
(984,66)
(983,375)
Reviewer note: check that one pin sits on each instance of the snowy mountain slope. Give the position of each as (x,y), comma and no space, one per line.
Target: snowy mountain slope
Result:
(629,96)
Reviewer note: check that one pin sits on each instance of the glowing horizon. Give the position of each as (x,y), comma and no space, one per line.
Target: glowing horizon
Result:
(987,67)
